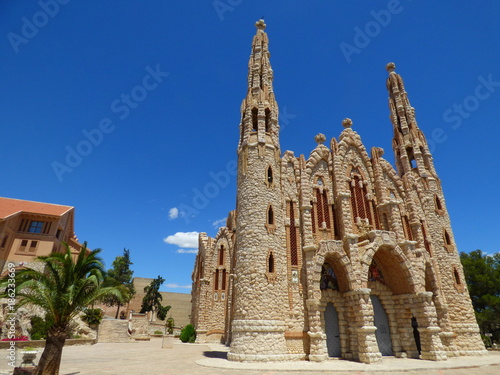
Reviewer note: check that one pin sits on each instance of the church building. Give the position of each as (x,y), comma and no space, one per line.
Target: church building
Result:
(334,255)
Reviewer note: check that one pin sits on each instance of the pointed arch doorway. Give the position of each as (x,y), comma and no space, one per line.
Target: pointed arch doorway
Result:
(332,331)
(382,333)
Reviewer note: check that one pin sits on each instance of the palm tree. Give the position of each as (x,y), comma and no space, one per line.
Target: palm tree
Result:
(66,286)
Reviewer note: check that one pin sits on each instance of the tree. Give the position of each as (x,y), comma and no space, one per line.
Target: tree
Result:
(120,276)
(482,274)
(162,312)
(152,299)
(67,286)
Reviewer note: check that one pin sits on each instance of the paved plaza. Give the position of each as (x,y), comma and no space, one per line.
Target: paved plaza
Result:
(148,358)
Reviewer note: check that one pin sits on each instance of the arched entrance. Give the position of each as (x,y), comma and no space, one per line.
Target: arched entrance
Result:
(332,331)
(382,333)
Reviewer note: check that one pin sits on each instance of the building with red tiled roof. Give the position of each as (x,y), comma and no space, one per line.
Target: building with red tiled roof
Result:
(31,229)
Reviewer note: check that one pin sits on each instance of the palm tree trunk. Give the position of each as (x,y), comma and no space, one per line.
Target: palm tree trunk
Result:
(117,310)
(51,357)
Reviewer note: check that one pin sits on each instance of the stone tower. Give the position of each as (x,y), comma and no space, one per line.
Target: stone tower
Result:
(336,254)
(259,295)
(428,221)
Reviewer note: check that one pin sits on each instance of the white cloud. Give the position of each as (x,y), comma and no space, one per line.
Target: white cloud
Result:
(183,239)
(190,251)
(178,286)
(173,213)
(218,223)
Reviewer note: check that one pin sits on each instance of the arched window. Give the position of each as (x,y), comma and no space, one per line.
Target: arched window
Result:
(216,282)
(270,175)
(294,258)
(407,228)
(358,198)
(221,255)
(270,263)
(319,208)
(447,239)
(411,157)
(321,214)
(268,120)
(255,119)
(439,206)
(326,209)
(456,276)
(270,216)
(361,206)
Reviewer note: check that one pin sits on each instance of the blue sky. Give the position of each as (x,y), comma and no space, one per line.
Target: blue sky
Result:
(129,110)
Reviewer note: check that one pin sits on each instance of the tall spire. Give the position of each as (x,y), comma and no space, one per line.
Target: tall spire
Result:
(259,252)
(259,109)
(409,143)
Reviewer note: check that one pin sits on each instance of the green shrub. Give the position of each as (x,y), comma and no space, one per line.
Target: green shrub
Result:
(93,316)
(39,328)
(487,341)
(157,332)
(170,325)
(188,334)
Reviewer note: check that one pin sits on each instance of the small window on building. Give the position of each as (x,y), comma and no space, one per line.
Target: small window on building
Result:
(46,227)
(221,255)
(23,245)
(24,225)
(36,227)
(411,157)
(216,281)
(447,239)
(407,228)
(270,216)
(439,206)
(270,175)
(456,277)
(268,120)
(33,246)
(58,234)
(270,263)
(255,119)
(320,181)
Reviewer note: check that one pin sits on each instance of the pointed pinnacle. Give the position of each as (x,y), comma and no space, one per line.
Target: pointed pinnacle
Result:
(260,24)
(390,67)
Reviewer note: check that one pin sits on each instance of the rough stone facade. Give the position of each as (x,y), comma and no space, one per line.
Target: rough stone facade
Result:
(336,255)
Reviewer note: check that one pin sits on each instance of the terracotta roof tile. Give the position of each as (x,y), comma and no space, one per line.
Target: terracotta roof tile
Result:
(9,206)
